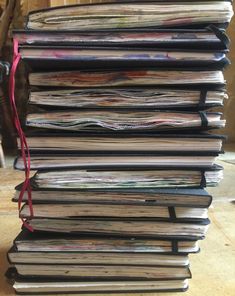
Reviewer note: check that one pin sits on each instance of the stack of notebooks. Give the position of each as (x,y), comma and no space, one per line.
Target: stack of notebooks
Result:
(119,130)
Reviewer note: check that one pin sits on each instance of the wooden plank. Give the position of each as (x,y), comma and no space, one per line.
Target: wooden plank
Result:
(57,2)
(35,5)
(5,22)
(38,4)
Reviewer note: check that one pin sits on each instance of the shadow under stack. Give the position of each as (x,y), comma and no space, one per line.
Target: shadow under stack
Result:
(118,121)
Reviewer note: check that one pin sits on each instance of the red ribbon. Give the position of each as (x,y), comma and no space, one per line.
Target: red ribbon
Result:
(26,188)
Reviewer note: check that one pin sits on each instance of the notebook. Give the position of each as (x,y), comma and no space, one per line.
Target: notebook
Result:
(123,228)
(131,77)
(89,258)
(43,286)
(199,198)
(53,161)
(131,14)
(73,120)
(104,272)
(128,178)
(44,142)
(210,38)
(129,97)
(84,57)
(57,243)
(118,212)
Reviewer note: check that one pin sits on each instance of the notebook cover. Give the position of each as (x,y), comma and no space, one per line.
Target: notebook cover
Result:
(48,133)
(214,167)
(39,64)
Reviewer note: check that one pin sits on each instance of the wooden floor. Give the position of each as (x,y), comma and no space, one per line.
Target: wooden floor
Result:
(213,269)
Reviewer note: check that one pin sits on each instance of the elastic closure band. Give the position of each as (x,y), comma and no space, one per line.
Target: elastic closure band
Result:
(204,121)
(202,99)
(174,246)
(172,213)
(220,34)
(26,188)
(203,179)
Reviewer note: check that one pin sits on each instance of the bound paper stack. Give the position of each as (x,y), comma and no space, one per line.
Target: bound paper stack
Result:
(117,127)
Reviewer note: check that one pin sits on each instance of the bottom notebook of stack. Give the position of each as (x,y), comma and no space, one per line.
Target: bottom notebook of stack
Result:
(55,263)
(69,287)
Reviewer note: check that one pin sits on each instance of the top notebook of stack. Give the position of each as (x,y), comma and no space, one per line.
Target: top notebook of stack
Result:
(131,14)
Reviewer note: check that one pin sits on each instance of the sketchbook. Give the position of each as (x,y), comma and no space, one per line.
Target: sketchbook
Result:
(91,57)
(50,161)
(131,77)
(76,258)
(129,97)
(131,14)
(112,272)
(199,198)
(86,211)
(201,144)
(57,243)
(39,286)
(210,38)
(128,178)
(73,120)
(123,228)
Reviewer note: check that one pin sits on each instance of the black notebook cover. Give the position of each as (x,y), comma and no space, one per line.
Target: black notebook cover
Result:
(140,61)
